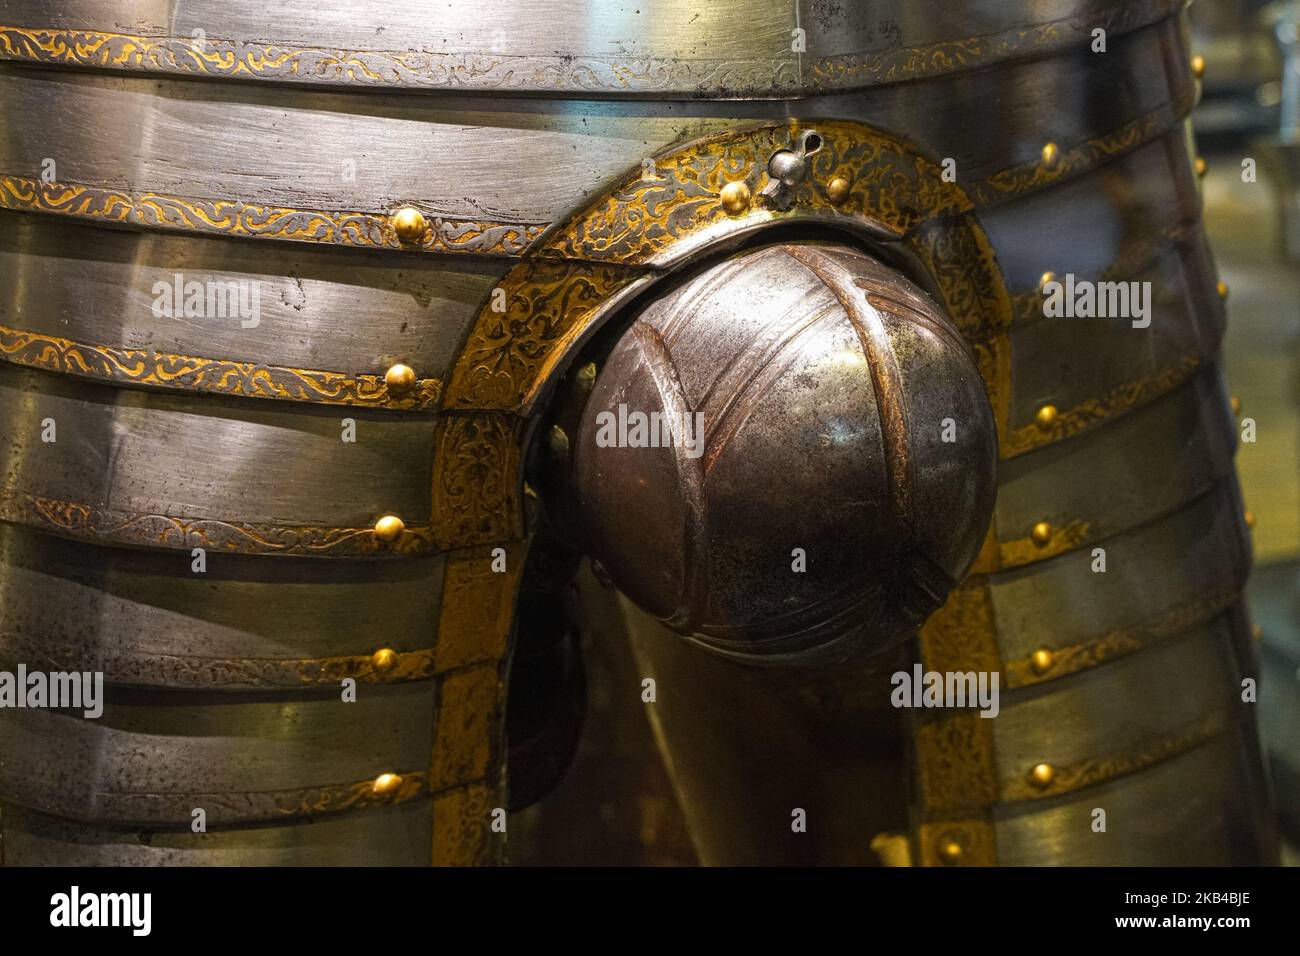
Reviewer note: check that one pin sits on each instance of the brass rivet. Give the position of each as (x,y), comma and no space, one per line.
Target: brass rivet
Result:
(1051,153)
(399,378)
(585,379)
(1041,534)
(735,197)
(386,784)
(1042,775)
(1041,660)
(1201,166)
(1236,405)
(558,441)
(837,190)
(1249,517)
(1222,289)
(1046,416)
(1256,632)
(389,528)
(1198,66)
(1045,280)
(408,223)
(383,660)
(950,850)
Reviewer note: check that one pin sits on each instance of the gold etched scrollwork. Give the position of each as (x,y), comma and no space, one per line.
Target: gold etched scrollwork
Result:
(194,374)
(89,522)
(233,217)
(420,69)
(476,480)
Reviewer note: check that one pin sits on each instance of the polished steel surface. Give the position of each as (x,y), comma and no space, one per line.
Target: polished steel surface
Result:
(145,617)
(285,150)
(744,49)
(153,758)
(153,454)
(1067,603)
(316,308)
(388,836)
(1194,810)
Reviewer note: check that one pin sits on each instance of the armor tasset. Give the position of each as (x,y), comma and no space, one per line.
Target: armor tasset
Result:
(291,524)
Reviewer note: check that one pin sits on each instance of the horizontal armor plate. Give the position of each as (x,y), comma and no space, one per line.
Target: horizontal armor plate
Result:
(387,836)
(153,758)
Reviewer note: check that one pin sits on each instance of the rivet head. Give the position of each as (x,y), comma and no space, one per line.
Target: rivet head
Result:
(1198,66)
(558,442)
(1042,775)
(1046,416)
(383,660)
(1249,517)
(408,223)
(837,190)
(1222,289)
(1041,660)
(386,784)
(1046,279)
(399,378)
(585,378)
(1041,534)
(1201,166)
(1051,153)
(950,850)
(1257,632)
(389,528)
(735,197)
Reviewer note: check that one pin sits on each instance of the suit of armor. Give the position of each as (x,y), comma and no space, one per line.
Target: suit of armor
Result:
(309,328)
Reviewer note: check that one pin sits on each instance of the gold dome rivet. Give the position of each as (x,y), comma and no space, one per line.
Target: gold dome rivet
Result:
(1236,405)
(1222,289)
(386,784)
(1041,660)
(1249,517)
(1201,166)
(1198,66)
(399,378)
(950,850)
(1051,153)
(1041,534)
(1046,279)
(408,223)
(837,190)
(389,528)
(383,660)
(1046,416)
(1256,632)
(735,197)
(1042,775)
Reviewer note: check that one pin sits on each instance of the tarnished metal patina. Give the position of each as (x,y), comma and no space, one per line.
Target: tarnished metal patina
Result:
(449,224)
(815,465)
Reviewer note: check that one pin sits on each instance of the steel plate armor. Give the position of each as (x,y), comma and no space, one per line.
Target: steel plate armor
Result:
(306,319)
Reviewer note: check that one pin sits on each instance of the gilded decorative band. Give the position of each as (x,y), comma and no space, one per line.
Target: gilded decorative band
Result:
(233,217)
(189,373)
(1070,659)
(174,670)
(256,806)
(1102,769)
(110,526)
